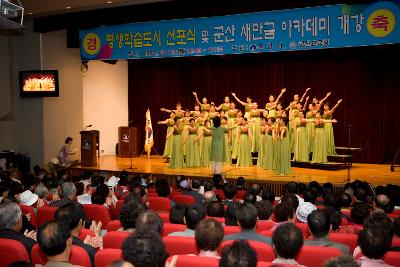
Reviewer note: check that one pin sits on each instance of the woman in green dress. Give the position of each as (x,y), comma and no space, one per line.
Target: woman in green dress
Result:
(301,152)
(254,124)
(176,160)
(225,106)
(320,151)
(227,141)
(206,133)
(218,145)
(329,136)
(235,136)
(200,123)
(271,106)
(283,165)
(310,127)
(203,106)
(269,145)
(168,140)
(212,113)
(247,105)
(185,125)
(191,145)
(276,151)
(179,112)
(263,143)
(244,145)
(196,112)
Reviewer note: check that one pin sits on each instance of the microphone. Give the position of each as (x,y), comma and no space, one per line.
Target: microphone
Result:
(88,126)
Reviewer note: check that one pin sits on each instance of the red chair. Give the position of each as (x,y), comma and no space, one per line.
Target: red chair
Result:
(105,257)
(45,214)
(194,261)
(264,251)
(393,215)
(240,194)
(267,233)
(86,232)
(392,258)
(396,242)
(313,256)
(349,240)
(304,229)
(164,216)
(218,219)
(220,193)
(119,205)
(270,264)
(114,239)
(79,256)
(29,210)
(97,213)
(183,199)
(159,204)
(171,228)
(12,251)
(228,230)
(179,245)
(264,225)
(344,222)
(113,225)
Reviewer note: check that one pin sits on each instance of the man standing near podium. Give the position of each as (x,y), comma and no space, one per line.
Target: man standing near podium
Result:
(65,152)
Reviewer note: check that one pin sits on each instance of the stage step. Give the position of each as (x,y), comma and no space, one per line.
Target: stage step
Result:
(321,166)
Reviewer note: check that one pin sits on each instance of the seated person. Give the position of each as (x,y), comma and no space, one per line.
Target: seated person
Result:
(284,213)
(255,189)
(209,234)
(149,221)
(249,198)
(342,261)
(215,209)
(268,194)
(374,243)
(246,215)
(303,210)
(177,214)
(163,189)
(287,241)
(239,254)
(229,193)
(67,193)
(230,215)
(358,214)
(129,214)
(194,188)
(193,214)
(264,210)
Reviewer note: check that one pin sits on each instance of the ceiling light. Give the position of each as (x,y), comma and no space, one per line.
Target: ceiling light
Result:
(67,7)
(109,2)
(30,13)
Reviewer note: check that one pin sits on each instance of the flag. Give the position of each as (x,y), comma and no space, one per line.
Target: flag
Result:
(148,144)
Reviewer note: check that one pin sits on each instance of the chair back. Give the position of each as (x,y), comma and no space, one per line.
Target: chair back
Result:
(172,227)
(314,256)
(86,232)
(183,199)
(159,204)
(105,257)
(12,251)
(164,216)
(45,214)
(114,239)
(98,213)
(264,225)
(228,230)
(194,261)
(79,256)
(179,245)
(113,225)
(349,240)
(28,210)
(264,251)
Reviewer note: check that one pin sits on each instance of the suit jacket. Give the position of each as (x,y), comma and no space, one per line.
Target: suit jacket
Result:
(89,249)
(249,235)
(326,242)
(57,264)
(12,234)
(196,195)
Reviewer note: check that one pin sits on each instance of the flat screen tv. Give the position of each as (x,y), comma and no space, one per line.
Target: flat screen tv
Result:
(39,83)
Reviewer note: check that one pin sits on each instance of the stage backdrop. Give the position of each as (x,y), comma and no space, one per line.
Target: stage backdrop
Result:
(366,78)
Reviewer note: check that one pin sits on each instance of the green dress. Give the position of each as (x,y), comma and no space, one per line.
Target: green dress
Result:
(301,152)
(206,148)
(225,107)
(329,136)
(310,129)
(200,124)
(168,142)
(227,147)
(269,153)
(218,144)
(244,148)
(185,125)
(255,130)
(292,128)
(283,166)
(263,146)
(271,110)
(192,149)
(276,152)
(247,109)
(205,107)
(234,142)
(319,151)
(176,160)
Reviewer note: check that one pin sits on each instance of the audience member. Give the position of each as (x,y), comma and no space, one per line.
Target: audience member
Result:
(229,193)
(374,244)
(129,214)
(209,196)
(268,194)
(292,199)
(357,214)
(264,210)
(230,215)
(194,192)
(287,241)
(215,209)
(382,204)
(342,261)
(250,198)
(209,234)
(193,214)
(239,254)
(303,210)
(177,214)
(255,189)
(67,193)
(149,221)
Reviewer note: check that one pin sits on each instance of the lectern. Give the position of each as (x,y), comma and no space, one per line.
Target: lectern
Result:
(128,142)
(89,146)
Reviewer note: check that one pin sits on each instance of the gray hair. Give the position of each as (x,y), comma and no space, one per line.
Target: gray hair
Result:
(67,189)
(41,190)
(10,214)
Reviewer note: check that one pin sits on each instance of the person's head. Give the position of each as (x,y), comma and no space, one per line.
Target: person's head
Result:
(193,214)
(382,202)
(301,114)
(149,221)
(335,217)
(162,188)
(268,194)
(230,191)
(73,214)
(240,253)
(232,105)
(292,188)
(177,214)
(379,220)
(255,189)
(204,100)
(217,178)
(68,140)
(249,198)
(196,107)
(230,214)
(374,242)
(246,215)
(196,184)
(144,250)
(264,209)
(271,98)
(292,199)
(129,214)
(319,223)
(215,209)
(11,216)
(226,99)
(208,186)
(342,261)
(54,239)
(360,194)
(68,190)
(344,200)
(240,181)
(287,240)
(310,196)
(359,213)
(303,210)
(208,197)
(284,212)
(208,235)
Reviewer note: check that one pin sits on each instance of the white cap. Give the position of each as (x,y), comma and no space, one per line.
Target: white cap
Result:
(28,198)
(303,210)
(112,181)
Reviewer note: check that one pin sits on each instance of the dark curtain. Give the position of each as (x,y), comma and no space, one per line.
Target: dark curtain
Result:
(367,78)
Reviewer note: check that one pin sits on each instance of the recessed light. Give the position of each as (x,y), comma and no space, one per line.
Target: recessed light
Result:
(30,13)
(109,2)
(67,7)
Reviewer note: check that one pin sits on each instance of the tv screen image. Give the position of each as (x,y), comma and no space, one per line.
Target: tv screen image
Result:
(39,83)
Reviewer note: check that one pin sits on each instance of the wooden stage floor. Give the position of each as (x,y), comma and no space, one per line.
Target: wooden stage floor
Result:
(374,173)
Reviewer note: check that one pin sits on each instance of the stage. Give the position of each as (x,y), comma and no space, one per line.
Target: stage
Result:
(374,173)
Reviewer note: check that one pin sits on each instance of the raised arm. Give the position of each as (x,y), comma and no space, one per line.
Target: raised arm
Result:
(163,122)
(238,100)
(219,107)
(304,95)
(337,104)
(305,104)
(280,95)
(166,110)
(325,98)
(197,99)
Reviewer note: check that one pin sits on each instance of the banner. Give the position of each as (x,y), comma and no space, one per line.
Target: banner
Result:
(271,31)
(149,142)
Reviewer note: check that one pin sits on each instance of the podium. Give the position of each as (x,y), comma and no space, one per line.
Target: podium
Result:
(89,147)
(128,142)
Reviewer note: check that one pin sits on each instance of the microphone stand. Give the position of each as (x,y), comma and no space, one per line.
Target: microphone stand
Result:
(349,153)
(130,153)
